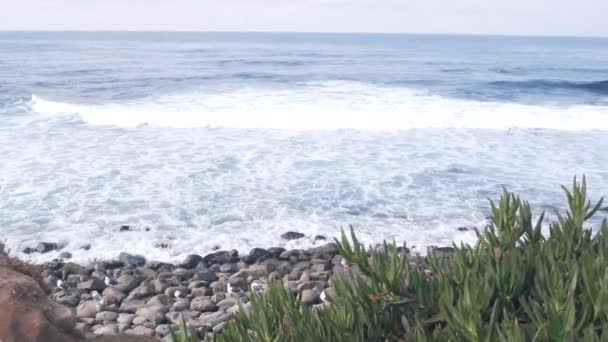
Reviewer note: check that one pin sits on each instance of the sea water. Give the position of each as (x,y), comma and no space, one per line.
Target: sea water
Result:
(206,140)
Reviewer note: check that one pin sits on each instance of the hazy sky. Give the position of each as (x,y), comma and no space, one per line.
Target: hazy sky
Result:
(529,17)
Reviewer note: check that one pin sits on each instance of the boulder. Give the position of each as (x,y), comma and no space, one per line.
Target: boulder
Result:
(134,260)
(27,314)
(155,313)
(202,304)
(191,261)
(106,316)
(112,295)
(292,236)
(92,285)
(87,309)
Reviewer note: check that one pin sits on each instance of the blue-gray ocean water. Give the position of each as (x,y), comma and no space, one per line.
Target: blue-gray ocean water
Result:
(231,139)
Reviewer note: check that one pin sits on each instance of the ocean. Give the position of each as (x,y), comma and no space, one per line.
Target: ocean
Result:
(227,140)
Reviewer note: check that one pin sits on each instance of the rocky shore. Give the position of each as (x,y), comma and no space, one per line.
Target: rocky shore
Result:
(137,297)
(145,298)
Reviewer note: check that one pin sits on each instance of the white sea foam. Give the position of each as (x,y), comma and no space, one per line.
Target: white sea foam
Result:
(328,106)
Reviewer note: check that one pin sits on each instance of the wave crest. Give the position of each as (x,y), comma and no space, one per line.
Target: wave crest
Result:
(329,106)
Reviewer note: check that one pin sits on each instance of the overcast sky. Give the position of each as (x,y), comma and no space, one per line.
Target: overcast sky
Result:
(526,17)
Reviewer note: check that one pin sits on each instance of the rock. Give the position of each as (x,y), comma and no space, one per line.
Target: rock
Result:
(442,252)
(140,331)
(72,268)
(330,249)
(181,305)
(309,297)
(155,313)
(228,302)
(319,238)
(106,316)
(191,261)
(177,317)
(162,330)
(85,247)
(110,329)
(87,309)
(201,291)
(210,319)
(123,327)
(256,271)
(45,247)
(207,276)
(112,295)
(171,291)
(131,306)
(126,283)
(318,285)
(125,318)
(160,299)
(28,250)
(142,291)
(88,321)
(462,229)
(92,285)
(134,260)
(292,236)
(62,298)
(26,313)
(65,255)
(219,328)
(202,304)
(217,297)
(139,320)
(255,255)
(228,268)
(124,228)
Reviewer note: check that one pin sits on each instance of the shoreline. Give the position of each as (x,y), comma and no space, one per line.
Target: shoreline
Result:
(149,298)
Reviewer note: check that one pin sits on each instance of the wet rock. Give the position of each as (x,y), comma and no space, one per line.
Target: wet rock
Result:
(92,285)
(87,309)
(320,238)
(112,295)
(182,273)
(202,304)
(125,228)
(85,247)
(442,252)
(125,318)
(275,252)
(462,229)
(110,329)
(65,255)
(292,236)
(155,313)
(255,255)
(45,247)
(140,331)
(191,261)
(134,260)
(28,250)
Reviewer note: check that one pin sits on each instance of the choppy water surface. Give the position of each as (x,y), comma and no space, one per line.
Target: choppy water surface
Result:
(233,139)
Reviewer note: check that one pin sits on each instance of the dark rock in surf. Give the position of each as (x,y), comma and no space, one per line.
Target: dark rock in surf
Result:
(292,236)
(45,247)
(134,260)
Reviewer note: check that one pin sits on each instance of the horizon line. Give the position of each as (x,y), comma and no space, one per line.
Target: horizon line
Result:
(313,32)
